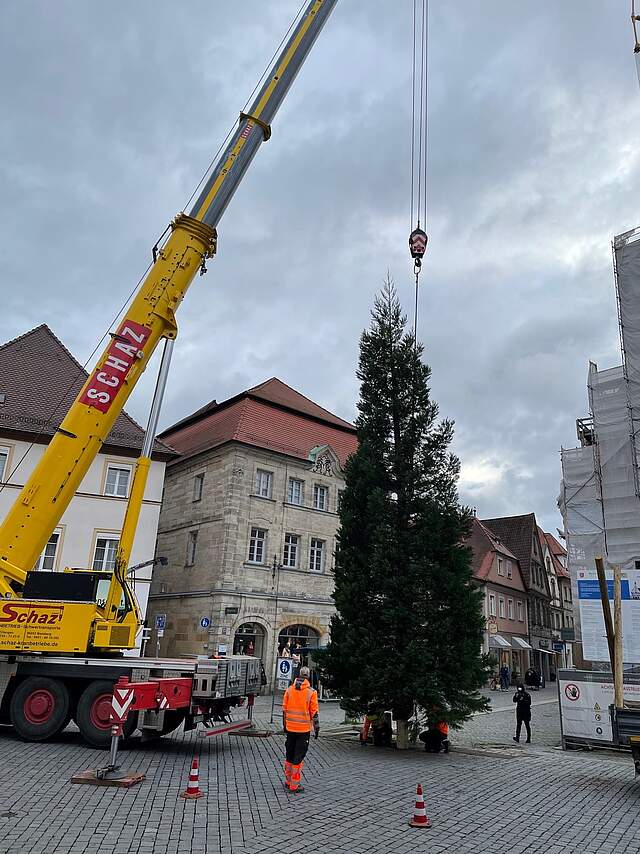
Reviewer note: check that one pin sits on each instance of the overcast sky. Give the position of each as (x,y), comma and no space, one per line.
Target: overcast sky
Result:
(111,112)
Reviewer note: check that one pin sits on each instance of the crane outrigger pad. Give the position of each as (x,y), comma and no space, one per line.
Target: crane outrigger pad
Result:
(90,778)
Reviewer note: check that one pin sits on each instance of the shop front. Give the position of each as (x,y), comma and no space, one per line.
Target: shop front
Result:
(511,651)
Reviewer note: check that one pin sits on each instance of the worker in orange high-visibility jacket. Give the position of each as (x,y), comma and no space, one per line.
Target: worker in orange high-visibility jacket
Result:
(299,715)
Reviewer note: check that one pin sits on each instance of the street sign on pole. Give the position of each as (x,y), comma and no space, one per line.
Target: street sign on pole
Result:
(161,621)
(205,622)
(284,672)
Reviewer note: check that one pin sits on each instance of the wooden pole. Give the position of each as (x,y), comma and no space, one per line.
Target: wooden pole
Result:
(606,612)
(617,622)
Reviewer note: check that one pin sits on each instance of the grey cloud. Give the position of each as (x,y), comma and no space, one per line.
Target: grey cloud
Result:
(113,112)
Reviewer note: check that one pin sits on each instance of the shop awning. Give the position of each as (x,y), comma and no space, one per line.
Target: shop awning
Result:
(498,642)
(520,642)
(547,651)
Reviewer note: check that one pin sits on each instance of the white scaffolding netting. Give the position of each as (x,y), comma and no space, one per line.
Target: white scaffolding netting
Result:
(600,497)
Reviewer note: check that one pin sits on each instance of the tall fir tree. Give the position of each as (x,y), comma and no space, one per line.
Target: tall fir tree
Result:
(408,627)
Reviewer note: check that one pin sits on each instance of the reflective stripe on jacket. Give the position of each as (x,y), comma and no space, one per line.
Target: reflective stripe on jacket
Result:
(299,706)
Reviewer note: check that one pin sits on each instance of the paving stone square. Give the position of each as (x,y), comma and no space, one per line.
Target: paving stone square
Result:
(488,795)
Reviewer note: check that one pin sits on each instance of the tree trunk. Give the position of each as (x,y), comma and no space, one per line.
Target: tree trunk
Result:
(402,734)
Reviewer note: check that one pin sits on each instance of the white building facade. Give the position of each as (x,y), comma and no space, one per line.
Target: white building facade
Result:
(88,533)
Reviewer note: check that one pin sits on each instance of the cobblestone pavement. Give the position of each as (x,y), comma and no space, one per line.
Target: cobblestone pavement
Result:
(521,799)
(495,727)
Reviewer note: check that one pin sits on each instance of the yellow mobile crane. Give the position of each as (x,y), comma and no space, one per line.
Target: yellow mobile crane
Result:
(60,648)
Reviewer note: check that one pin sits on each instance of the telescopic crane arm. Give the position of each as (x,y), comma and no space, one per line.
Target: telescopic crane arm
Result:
(150,318)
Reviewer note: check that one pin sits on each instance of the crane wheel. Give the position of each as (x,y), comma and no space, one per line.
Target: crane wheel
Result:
(93,714)
(39,708)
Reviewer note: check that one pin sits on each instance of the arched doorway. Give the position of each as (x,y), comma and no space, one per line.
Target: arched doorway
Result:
(249,640)
(302,640)
(301,636)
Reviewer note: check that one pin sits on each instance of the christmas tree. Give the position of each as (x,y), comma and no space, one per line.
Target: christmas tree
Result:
(408,627)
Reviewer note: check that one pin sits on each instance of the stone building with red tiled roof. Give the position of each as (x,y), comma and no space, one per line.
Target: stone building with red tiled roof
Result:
(258,479)
(39,380)
(497,571)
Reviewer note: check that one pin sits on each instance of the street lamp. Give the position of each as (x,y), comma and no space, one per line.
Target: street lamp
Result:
(275,584)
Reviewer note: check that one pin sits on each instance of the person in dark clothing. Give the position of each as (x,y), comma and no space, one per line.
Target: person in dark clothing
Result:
(505,676)
(436,737)
(532,678)
(522,699)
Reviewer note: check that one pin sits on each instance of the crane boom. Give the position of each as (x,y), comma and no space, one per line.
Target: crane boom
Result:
(149,318)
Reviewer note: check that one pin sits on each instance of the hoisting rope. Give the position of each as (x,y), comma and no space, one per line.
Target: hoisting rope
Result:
(636,49)
(419,102)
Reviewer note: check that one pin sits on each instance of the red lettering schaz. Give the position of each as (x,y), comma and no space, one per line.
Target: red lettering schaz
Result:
(27,613)
(107,380)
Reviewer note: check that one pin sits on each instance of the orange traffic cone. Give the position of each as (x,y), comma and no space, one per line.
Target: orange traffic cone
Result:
(193,789)
(419,813)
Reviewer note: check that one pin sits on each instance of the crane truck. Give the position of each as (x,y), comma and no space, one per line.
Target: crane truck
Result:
(61,644)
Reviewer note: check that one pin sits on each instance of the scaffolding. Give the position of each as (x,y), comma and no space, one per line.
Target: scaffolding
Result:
(600,491)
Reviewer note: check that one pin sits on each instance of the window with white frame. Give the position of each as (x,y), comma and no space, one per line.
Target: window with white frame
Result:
(47,560)
(104,556)
(509,569)
(295,494)
(567,594)
(492,605)
(4,459)
(257,545)
(320,497)
(500,566)
(198,486)
(264,483)
(510,608)
(192,544)
(501,607)
(520,611)
(117,482)
(316,555)
(290,552)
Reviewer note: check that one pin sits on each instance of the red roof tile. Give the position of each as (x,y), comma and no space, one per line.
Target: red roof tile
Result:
(271,416)
(484,544)
(518,532)
(556,551)
(40,379)
(555,547)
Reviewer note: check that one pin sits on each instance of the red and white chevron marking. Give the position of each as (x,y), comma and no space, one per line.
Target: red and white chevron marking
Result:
(121,703)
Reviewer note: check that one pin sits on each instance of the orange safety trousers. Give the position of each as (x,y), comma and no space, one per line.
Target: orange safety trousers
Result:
(296,747)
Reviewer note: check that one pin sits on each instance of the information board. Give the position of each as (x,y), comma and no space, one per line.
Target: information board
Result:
(594,638)
(585,698)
